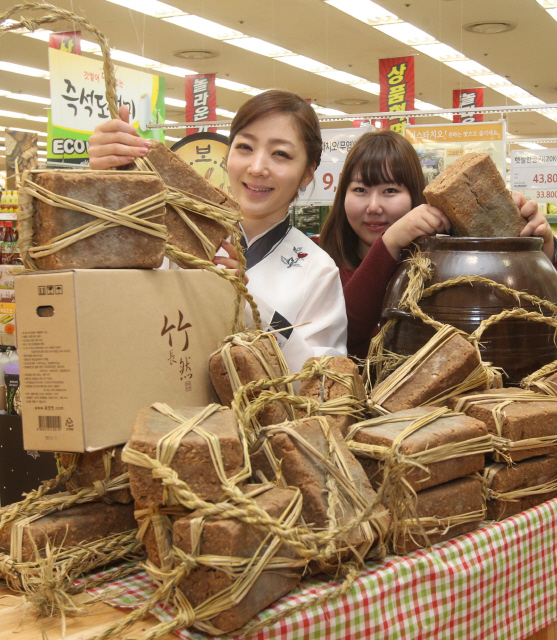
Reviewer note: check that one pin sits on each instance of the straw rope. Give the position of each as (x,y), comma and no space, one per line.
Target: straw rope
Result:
(538,382)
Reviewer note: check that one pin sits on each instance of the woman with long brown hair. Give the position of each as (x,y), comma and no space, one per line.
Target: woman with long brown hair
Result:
(379,209)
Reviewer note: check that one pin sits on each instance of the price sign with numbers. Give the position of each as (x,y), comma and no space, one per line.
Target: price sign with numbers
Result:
(534,172)
(336,145)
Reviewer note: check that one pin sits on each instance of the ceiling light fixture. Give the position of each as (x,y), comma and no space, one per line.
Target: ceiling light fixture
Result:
(196,54)
(352,102)
(490,28)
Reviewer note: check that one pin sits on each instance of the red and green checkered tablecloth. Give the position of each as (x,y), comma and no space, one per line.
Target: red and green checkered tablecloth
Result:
(497,582)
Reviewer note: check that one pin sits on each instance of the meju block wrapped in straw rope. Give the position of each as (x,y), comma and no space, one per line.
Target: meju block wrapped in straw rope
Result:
(82,219)
(523,424)
(514,489)
(473,195)
(445,366)
(241,569)
(313,456)
(339,378)
(191,231)
(93,469)
(27,536)
(250,357)
(442,512)
(421,447)
(202,445)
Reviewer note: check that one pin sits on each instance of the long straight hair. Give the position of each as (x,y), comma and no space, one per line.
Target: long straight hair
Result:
(378,157)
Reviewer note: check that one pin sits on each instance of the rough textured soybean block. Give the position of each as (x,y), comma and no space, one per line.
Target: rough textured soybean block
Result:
(115,248)
(520,420)
(447,429)
(454,498)
(192,461)
(76,525)
(91,468)
(473,195)
(321,388)
(301,469)
(235,539)
(250,369)
(178,174)
(523,475)
(448,366)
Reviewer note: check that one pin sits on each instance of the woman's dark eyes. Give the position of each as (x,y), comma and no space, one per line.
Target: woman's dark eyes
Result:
(282,154)
(242,145)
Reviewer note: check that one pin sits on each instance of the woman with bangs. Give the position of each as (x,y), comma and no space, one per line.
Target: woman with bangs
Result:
(379,209)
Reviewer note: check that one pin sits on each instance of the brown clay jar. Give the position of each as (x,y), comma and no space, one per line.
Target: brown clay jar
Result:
(519,346)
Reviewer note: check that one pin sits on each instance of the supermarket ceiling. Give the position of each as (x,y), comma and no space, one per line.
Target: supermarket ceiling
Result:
(317,48)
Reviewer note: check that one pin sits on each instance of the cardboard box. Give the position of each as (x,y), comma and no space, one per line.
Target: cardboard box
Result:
(97,345)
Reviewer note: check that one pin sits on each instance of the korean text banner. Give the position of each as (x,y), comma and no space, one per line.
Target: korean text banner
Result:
(77,90)
(396,80)
(438,145)
(336,145)
(201,101)
(467,99)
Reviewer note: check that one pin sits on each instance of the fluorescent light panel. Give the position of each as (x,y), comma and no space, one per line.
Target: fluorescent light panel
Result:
(261,47)
(22,69)
(152,8)
(204,27)
(366,11)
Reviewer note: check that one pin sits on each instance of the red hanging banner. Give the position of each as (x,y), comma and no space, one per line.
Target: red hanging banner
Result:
(396,79)
(69,41)
(201,101)
(468,98)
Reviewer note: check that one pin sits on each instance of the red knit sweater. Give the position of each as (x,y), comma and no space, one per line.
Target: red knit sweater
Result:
(364,290)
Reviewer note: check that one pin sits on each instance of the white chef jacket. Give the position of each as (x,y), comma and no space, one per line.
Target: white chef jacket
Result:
(293,281)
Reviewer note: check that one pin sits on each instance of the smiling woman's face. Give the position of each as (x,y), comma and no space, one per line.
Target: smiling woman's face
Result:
(267,164)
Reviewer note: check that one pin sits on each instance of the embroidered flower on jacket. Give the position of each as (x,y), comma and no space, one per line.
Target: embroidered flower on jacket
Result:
(293,262)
